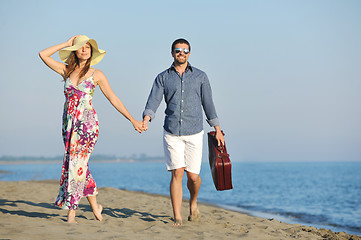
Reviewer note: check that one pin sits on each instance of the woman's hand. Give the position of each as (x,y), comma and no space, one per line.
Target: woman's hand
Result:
(46,54)
(138,126)
(70,42)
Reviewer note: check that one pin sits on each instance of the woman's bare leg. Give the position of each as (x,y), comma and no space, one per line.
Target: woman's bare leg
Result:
(71,216)
(97,208)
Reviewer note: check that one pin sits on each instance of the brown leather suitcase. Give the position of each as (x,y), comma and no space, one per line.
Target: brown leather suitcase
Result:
(220,163)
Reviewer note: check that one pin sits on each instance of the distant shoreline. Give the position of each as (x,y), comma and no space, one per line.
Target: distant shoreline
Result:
(102,158)
(13,162)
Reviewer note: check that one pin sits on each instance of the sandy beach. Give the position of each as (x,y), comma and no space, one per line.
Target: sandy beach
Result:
(27,212)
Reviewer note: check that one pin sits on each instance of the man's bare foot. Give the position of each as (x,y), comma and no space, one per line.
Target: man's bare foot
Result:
(194,216)
(178,222)
(98,214)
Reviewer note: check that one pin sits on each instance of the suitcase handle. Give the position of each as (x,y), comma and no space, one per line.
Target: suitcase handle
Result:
(223,155)
(220,148)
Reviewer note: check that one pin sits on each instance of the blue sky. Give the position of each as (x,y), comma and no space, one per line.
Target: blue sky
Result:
(286,75)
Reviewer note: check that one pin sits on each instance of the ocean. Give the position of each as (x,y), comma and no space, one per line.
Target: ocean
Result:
(320,194)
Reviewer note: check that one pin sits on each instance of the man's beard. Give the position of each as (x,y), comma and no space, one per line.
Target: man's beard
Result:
(181,61)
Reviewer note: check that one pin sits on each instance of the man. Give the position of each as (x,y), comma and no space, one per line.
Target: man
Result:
(186,90)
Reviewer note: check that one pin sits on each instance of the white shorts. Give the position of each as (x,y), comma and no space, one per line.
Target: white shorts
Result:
(183,151)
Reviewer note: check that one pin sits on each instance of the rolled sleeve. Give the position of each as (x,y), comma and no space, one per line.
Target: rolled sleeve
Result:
(213,122)
(149,112)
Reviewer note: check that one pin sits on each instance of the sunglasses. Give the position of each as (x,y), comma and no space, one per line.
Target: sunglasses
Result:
(178,50)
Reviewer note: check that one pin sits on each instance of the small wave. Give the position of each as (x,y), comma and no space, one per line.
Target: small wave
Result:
(319,221)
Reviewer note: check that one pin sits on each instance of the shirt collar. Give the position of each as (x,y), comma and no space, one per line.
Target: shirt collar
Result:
(189,66)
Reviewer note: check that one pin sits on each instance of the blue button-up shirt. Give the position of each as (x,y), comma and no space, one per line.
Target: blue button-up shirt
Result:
(184,96)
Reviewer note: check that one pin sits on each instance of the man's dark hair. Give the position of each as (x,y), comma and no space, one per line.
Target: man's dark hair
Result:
(180,40)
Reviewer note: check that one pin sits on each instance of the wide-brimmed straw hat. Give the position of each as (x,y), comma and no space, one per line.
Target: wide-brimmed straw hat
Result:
(80,41)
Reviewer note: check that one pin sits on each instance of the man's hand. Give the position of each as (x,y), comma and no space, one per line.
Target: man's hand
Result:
(145,122)
(219,136)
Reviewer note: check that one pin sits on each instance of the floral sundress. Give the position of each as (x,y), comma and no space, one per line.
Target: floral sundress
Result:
(80,133)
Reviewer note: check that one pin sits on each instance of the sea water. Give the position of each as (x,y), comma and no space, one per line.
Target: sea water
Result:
(320,194)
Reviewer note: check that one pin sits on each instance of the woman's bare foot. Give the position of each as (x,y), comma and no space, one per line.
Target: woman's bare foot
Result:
(98,214)
(71,216)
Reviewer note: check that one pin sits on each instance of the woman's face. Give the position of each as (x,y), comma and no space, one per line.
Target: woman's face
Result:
(84,53)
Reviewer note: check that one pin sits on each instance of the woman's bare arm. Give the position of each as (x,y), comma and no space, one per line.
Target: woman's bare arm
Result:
(46,54)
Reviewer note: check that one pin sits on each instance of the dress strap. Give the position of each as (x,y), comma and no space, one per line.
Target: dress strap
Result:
(93,72)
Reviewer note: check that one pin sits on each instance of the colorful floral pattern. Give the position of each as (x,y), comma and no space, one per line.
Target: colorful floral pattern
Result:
(80,133)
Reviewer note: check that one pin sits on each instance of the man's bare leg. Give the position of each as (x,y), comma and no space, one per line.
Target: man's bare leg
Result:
(193,184)
(176,194)
(97,208)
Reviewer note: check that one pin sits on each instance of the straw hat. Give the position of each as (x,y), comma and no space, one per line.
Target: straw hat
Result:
(80,41)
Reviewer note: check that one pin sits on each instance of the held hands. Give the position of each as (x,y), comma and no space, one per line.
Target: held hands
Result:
(145,122)
(145,125)
(139,126)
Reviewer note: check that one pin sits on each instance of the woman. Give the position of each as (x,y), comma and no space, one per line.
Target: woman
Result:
(80,121)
